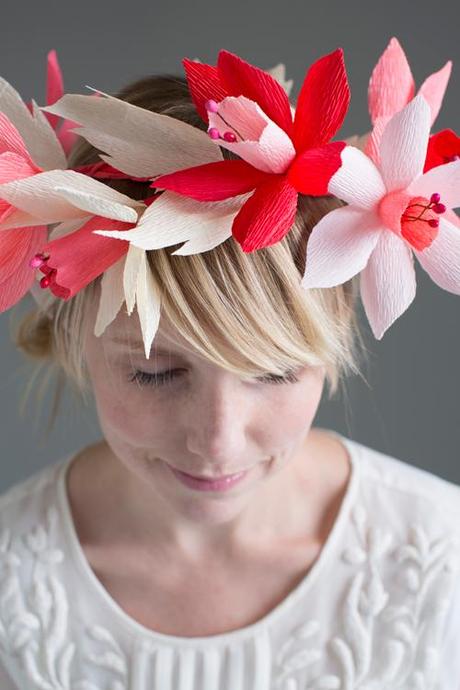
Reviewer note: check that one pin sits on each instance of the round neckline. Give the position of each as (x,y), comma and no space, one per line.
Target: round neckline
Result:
(353,450)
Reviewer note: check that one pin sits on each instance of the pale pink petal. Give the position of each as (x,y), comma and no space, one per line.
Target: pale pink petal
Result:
(14,167)
(112,296)
(39,137)
(39,196)
(444,179)
(173,218)
(372,147)
(148,303)
(260,141)
(388,283)
(404,144)
(339,247)
(137,141)
(441,260)
(357,181)
(391,85)
(434,88)
(68,226)
(19,219)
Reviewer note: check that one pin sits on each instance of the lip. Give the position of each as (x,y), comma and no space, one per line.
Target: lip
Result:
(223,483)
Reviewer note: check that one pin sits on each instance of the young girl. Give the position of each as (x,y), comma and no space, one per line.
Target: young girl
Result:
(214,539)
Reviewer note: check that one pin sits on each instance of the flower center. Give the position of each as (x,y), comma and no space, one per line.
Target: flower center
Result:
(49,279)
(419,222)
(230,136)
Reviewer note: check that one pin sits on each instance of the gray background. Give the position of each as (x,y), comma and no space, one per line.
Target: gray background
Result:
(409,405)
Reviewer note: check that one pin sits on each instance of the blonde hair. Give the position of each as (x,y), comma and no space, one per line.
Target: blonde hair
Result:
(245,312)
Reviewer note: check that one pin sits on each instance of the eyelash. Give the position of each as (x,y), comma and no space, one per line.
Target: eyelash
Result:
(162,377)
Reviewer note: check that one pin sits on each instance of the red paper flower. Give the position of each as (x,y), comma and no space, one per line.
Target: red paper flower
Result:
(443,147)
(282,154)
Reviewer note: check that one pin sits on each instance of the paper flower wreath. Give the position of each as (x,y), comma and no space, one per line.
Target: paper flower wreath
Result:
(399,196)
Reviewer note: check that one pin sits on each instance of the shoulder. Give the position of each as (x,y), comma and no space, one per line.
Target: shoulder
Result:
(418,493)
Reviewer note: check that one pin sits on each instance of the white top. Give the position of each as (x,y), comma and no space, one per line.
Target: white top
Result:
(378,610)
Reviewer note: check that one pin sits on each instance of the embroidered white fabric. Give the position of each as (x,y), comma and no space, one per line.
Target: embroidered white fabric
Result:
(378,610)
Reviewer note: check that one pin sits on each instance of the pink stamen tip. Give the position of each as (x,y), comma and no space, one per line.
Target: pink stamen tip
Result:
(214,133)
(433,223)
(439,208)
(211,106)
(37,261)
(229,136)
(45,281)
(435,198)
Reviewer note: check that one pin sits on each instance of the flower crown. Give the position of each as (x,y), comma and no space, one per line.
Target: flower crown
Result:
(399,183)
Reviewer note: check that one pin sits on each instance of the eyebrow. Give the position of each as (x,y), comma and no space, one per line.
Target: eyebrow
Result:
(139,346)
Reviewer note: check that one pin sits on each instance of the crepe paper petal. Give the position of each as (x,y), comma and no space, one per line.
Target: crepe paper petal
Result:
(443,147)
(404,144)
(12,142)
(64,228)
(204,84)
(311,171)
(372,146)
(15,218)
(444,179)
(241,78)
(17,247)
(148,303)
(14,167)
(173,219)
(38,196)
(434,88)
(66,136)
(441,260)
(387,283)
(97,205)
(267,216)
(259,141)
(358,180)
(391,86)
(54,85)
(79,257)
(279,73)
(339,247)
(137,141)
(322,102)
(131,270)
(111,296)
(213,181)
(39,137)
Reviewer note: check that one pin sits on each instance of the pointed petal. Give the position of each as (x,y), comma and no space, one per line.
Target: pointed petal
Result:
(131,269)
(404,144)
(148,303)
(388,283)
(434,88)
(260,141)
(54,85)
(66,136)
(204,84)
(240,78)
(279,73)
(391,86)
(358,180)
(267,216)
(12,142)
(14,218)
(311,171)
(14,167)
(64,228)
(441,260)
(38,196)
(112,296)
(173,219)
(373,143)
(39,137)
(137,141)
(443,147)
(444,179)
(17,247)
(213,181)
(322,102)
(98,205)
(79,257)
(339,247)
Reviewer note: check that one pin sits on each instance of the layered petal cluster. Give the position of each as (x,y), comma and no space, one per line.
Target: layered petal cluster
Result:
(282,153)
(37,189)
(394,211)
(392,86)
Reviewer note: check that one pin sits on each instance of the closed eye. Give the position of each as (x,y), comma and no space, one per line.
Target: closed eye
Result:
(159,378)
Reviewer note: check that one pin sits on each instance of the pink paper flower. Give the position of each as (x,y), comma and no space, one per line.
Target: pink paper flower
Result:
(394,211)
(392,87)
(249,113)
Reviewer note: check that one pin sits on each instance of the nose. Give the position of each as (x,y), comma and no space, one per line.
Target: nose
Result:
(217,421)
